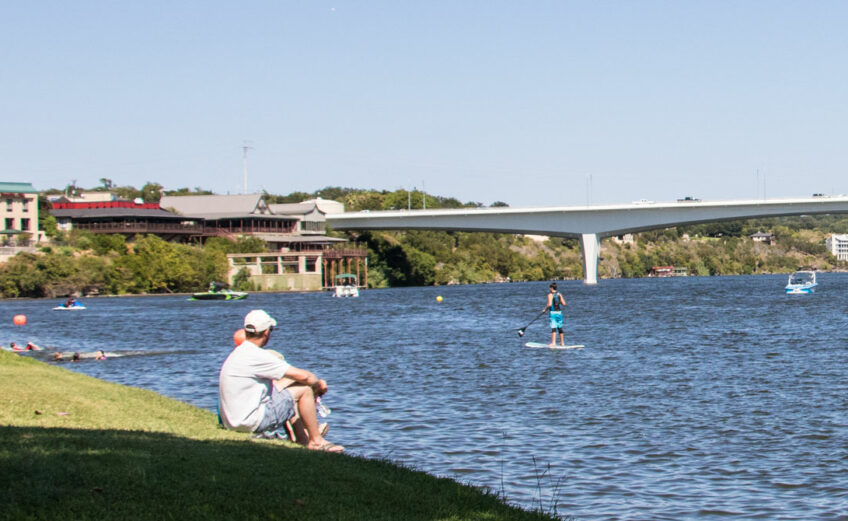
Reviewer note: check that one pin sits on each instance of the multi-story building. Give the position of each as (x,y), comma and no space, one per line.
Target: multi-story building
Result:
(301,257)
(19,207)
(838,246)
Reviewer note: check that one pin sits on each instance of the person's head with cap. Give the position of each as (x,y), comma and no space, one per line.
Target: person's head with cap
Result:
(258,326)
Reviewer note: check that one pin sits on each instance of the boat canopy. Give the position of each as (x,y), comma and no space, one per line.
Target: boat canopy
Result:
(345,276)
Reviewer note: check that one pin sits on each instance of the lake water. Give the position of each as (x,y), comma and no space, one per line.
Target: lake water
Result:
(695,398)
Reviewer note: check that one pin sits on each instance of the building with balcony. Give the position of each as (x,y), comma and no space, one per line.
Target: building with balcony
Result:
(302,257)
(310,214)
(838,246)
(127,218)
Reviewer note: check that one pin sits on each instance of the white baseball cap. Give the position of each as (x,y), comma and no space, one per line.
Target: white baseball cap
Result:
(258,321)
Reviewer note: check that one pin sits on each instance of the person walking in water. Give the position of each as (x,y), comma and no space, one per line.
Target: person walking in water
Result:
(555,304)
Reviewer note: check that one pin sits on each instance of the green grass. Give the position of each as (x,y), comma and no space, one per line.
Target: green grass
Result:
(126,453)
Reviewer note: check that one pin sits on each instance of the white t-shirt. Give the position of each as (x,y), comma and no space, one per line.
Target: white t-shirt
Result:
(244,385)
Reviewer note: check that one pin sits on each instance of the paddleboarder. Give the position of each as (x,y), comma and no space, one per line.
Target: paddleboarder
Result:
(554,307)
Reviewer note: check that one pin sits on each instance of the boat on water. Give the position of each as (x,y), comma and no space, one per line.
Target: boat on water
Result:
(219,291)
(801,282)
(346,286)
(70,305)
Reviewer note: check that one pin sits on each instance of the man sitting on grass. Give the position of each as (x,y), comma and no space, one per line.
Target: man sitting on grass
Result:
(259,391)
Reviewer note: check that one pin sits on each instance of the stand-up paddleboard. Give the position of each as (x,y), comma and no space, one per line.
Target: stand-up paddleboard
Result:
(69,308)
(557,346)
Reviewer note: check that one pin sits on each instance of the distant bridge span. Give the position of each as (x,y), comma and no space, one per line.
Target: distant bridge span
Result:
(588,223)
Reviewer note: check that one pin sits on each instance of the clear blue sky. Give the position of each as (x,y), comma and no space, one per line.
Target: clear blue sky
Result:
(523,102)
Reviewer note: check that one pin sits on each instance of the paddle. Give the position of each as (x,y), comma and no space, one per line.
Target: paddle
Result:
(521,330)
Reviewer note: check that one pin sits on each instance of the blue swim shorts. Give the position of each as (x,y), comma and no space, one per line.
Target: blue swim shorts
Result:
(277,410)
(556,319)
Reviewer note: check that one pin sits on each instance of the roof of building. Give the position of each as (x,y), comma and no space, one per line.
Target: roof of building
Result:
(17,188)
(299,211)
(216,206)
(762,234)
(104,213)
(327,205)
(293,208)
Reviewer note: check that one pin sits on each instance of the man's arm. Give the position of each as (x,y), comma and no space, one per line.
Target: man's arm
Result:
(550,299)
(302,376)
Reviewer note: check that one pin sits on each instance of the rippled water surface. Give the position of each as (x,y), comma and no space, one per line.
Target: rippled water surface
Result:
(695,398)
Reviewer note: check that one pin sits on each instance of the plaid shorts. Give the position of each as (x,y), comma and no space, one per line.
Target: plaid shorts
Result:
(278,410)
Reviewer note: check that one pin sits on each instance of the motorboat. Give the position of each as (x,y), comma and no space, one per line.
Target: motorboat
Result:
(801,282)
(346,286)
(219,291)
(224,294)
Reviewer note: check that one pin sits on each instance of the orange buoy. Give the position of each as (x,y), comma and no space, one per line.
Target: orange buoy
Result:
(19,320)
(238,337)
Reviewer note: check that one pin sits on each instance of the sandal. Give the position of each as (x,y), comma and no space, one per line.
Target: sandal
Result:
(329,446)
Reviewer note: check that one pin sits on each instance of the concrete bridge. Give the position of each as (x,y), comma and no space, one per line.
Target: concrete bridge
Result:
(588,223)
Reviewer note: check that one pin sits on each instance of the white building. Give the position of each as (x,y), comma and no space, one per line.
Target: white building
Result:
(838,246)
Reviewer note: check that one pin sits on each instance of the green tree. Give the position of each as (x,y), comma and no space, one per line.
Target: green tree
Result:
(151,192)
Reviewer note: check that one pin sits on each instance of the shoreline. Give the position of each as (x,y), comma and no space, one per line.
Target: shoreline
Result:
(80,446)
(600,279)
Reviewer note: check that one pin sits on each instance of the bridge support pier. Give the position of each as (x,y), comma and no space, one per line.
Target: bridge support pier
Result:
(591,245)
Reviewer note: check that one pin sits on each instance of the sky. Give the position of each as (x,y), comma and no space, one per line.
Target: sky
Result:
(540,103)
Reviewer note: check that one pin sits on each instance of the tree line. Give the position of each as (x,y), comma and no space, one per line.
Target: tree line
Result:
(81,262)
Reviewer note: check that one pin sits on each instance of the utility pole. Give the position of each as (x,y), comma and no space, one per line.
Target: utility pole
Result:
(245,147)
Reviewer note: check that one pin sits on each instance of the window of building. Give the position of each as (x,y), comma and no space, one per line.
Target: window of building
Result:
(9,204)
(25,205)
(25,224)
(10,224)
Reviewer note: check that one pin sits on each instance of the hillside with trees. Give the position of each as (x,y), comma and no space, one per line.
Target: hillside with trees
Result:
(79,261)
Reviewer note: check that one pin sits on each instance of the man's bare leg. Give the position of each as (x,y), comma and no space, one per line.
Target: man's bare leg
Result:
(305,400)
(553,338)
(300,435)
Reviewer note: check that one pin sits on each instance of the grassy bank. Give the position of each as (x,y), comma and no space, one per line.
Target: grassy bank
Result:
(74,447)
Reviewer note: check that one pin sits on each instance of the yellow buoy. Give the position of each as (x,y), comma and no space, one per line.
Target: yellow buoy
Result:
(439,298)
